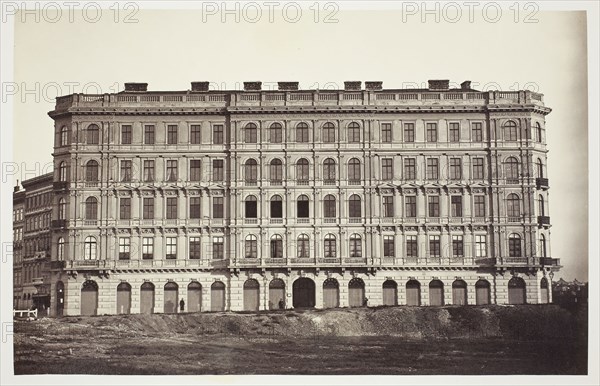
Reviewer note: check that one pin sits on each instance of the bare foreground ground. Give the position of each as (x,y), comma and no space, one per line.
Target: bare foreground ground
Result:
(233,344)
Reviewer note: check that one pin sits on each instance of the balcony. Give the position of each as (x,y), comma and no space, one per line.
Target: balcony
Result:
(83,265)
(60,185)
(248,262)
(514,261)
(276,221)
(58,224)
(302,182)
(512,181)
(541,183)
(329,260)
(543,220)
(355,261)
(328,220)
(57,265)
(487,261)
(514,219)
(37,281)
(303,221)
(251,221)
(276,182)
(275,261)
(355,220)
(302,260)
(550,261)
(329,182)
(354,182)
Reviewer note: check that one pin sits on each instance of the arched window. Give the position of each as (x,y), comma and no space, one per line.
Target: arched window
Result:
(328,132)
(276,171)
(60,249)
(251,171)
(303,246)
(276,247)
(541,206)
(302,206)
(514,245)
(330,246)
(329,170)
(276,206)
(276,133)
(62,171)
(93,135)
(64,136)
(354,169)
(355,245)
(62,209)
(251,207)
(250,133)
(251,247)
(329,206)
(89,248)
(353,132)
(538,132)
(354,206)
(510,131)
(91,171)
(91,208)
(302,173)
(540,168)
(543,250)
(512,168)
(302,132)
(513,205)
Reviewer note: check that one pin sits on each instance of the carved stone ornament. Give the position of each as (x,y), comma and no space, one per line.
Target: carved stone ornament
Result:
(432,191)
(170,230)
(455,191)
(124,193)
(193,192)
(147,193)
(170,193)
(409,191)
(387,191)
(147,231)
(410,229)
(387,229)
(193,230)
(219,230)
(480,228)
(456,229)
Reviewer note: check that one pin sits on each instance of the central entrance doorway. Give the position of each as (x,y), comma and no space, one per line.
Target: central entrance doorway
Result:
(303,293)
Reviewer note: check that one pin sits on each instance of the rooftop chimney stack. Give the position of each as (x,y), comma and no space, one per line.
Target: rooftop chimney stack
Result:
(443,84)
(374,86)
(252,86)
(352,85)
(137,87)
(287,86)
(466,85)
(199,86)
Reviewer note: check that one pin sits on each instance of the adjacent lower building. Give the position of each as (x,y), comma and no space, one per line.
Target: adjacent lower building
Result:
(208,200)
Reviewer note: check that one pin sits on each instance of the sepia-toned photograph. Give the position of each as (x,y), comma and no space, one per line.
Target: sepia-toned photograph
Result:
(258,192)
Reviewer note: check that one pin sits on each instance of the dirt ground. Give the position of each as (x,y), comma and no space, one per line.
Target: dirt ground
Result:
(173,345)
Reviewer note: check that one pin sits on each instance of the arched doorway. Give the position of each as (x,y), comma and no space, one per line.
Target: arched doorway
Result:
(303,293)
(459,293)
(147,298)
(413,293)
(544,295)
(390,293)
(171,298)
(251,295)
(482,292)
(217,296)
(276,294)
(516,291)
(436,293)
(123,298)
(194,297)
(60,298)
(356,292)
(331,293)
(89,298)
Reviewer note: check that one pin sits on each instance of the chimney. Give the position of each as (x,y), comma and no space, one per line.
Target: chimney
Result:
(374,86)
(439,84)
(199,86)
(136,86)
(287,86)
(17,187)
(466,85)
(352,85)
(252,86)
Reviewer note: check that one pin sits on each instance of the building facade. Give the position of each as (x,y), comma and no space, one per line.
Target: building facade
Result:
(263,199)
(19,300)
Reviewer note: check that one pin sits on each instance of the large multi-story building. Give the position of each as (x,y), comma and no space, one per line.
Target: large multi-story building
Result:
(258,199)
(17,249)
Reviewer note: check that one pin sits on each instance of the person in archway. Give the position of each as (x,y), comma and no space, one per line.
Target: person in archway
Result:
(365,302)
(181,305)
(281,304)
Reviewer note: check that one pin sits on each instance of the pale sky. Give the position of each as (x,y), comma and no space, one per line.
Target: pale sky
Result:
(169,49)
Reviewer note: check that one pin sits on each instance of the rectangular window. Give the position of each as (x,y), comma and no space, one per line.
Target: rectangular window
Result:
(456,203)
(410,169)
(303,247)
(434,246)
(478,173)
(171,208)
(409,132)
(172,174)
(148,170)
(195,248)
(411,206)
(479,206)
(330,248)
(218,248)
(457,246)
(251,248)
(195,207)
(454,132)
(195,170)
(480,246)
(126,171)
(412,249)
(124,248)
(195,134)
(388,246)
(171,248)
(455,169)
(149,134)
(477,132)
(387,169)
(218,169)
(125,208)
(388,206)
(148,212)
(217,207)
(432,172)
(218,134)
(126,135)
(386,132)
(147,248)
(434,206)
(172,137)
(432,132)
